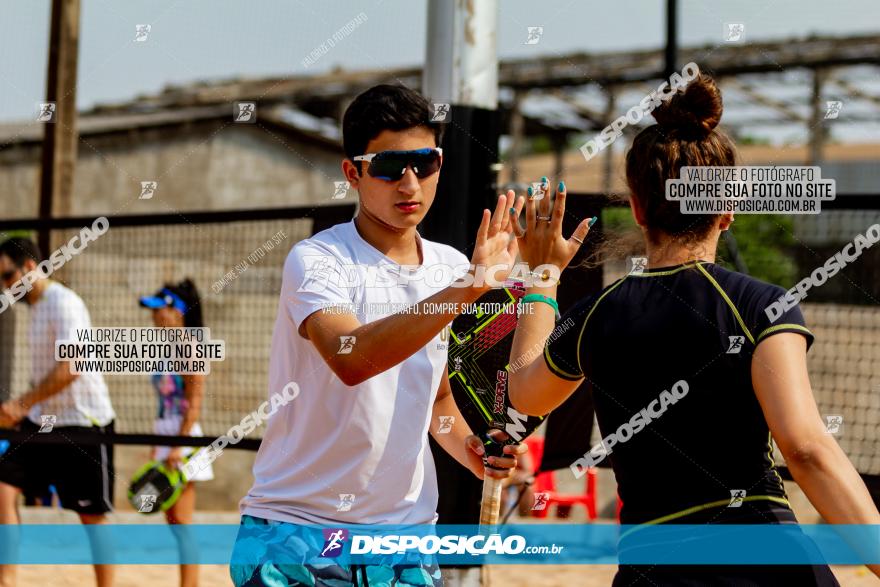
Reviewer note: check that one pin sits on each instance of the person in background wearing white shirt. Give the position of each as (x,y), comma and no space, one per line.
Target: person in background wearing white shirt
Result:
(82,473)
(352,448)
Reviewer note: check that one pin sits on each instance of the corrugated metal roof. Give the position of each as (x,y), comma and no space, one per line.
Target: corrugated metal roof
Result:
(303,125)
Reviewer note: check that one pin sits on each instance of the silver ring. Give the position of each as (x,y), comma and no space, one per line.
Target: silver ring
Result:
(573,237)
(547,218)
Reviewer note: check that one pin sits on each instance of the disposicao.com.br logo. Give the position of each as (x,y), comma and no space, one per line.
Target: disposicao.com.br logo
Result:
(334,542)
(475,545)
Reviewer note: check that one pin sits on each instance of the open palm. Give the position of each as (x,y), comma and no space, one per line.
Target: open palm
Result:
(495,251)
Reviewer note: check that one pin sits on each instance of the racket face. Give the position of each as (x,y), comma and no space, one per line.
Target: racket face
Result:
(154,489)
(479,355)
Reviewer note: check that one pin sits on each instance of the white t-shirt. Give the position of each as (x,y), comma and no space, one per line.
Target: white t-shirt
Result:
(340,454)
(85,402)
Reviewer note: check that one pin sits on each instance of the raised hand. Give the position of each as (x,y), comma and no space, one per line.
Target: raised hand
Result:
(541,241)
(495,250)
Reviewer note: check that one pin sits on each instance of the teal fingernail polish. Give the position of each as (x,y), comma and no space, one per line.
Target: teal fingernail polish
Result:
(530,190)
(544,179)
(592,221)
(561,187)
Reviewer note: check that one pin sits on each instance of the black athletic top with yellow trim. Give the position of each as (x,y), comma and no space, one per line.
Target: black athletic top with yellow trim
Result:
(679,453)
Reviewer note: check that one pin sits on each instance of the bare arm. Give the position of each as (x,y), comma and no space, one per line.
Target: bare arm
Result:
(817,463)
(532,331)
(194,391)
(14,410)
(52,384)
(460,441)
(382,344)
(534,389)
(453,441)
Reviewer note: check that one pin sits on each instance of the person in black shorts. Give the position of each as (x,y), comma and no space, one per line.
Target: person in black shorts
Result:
(690,374)
(72,407)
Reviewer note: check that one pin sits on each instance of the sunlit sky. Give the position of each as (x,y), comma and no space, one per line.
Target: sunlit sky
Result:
(194,40)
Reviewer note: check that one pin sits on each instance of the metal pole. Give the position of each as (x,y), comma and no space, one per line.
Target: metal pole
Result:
(461,69)
(671,53)
(60,137)
(7,357)
(817,129)
(517,130)
(608,160)
(559,140)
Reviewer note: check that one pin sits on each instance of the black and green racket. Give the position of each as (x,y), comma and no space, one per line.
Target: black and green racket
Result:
(155,487)
(479,355)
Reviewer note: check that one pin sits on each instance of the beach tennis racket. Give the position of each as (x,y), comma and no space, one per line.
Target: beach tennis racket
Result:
(479,356)
(154,488)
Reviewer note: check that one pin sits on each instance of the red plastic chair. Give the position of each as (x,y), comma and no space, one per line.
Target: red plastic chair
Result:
(545,483)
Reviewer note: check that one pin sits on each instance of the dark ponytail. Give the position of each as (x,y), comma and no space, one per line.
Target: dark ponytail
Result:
(186,290)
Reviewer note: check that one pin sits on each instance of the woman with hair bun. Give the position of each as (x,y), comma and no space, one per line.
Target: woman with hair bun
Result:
(690,376)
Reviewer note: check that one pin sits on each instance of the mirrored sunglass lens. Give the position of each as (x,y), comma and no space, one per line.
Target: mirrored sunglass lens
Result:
(425,165)
(388,168)
(393,166)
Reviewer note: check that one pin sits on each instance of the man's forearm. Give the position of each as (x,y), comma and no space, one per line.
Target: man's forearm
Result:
(55,382)
(382,344)
(453,442)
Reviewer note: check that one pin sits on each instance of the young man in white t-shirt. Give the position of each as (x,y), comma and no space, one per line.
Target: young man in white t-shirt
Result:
(352,447)
(58,402)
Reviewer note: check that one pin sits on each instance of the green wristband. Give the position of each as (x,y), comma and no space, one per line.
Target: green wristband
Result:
(541,298)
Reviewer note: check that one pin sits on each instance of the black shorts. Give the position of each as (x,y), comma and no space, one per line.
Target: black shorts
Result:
(759,512)
(724,576)
(82,474)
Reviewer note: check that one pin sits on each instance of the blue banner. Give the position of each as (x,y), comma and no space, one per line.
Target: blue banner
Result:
(259,542)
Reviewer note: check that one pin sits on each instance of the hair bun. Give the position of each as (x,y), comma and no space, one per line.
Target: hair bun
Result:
(694,109)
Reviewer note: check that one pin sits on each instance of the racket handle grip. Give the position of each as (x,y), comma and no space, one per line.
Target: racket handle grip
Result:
(491,504)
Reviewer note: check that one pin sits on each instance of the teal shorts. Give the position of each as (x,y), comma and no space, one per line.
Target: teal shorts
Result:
(266,573)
